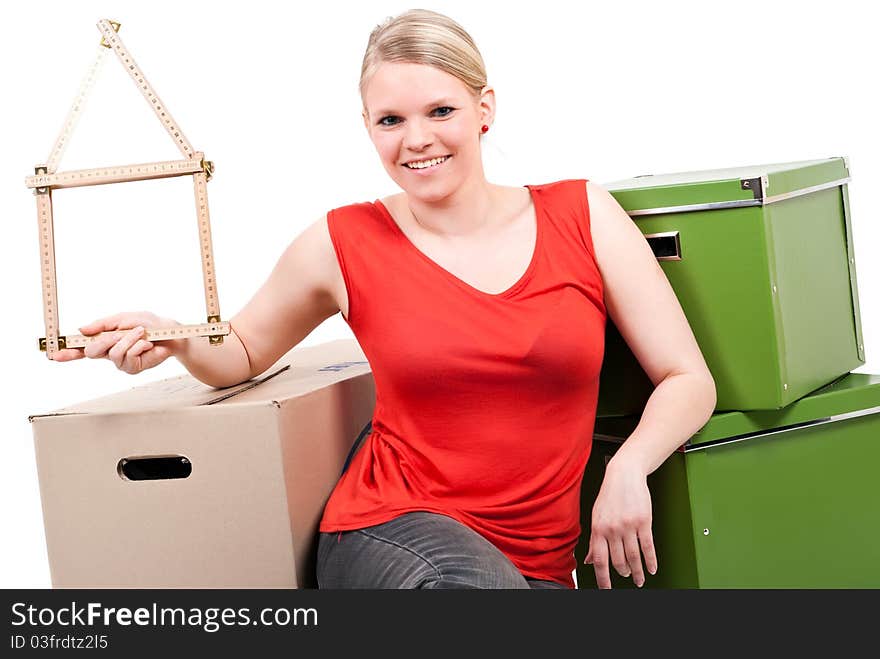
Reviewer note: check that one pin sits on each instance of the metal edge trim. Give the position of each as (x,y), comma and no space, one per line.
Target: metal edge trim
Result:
(620,440)
(778,431)
(742,203)
(814,188)
(714,205)
(851,269)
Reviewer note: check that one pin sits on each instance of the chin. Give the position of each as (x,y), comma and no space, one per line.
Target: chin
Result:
(428,191)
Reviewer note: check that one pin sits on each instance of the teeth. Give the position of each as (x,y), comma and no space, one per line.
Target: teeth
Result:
(425,163)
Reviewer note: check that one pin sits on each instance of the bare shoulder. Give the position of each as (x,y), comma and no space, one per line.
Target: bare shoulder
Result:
(638,296)
(325,272)
(308,261)
(316,243)
(613,232)
(601,202)
(297,296)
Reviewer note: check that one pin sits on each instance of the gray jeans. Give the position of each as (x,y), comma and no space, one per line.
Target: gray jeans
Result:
(417,550)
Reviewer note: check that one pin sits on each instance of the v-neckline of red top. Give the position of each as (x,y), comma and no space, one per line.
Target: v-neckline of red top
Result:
(513,288)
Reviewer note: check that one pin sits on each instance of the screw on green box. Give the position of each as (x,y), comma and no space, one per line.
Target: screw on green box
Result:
(762,499)
(762,262)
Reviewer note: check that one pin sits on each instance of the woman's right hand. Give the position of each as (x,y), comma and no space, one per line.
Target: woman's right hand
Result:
(123,343)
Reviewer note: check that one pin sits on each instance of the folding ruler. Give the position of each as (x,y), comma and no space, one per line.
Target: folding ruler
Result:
(46,179)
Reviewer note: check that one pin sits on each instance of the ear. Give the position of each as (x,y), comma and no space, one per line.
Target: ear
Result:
(366,120)
(487,105)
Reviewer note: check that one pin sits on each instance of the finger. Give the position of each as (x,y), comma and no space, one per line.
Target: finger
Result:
(599,553)
(103,324)
(98,347)
(646,539)
(154,356)
(123,345)
(618,556)
(160,353)
(634,558)
(68,354)
(134,361)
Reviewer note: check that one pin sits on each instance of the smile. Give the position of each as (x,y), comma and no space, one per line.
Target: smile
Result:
(426,164)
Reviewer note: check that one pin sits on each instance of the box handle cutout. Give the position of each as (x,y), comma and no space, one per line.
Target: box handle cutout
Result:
(666,246)
(156,468)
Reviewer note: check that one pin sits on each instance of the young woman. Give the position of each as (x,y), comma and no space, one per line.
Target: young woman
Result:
(481,309)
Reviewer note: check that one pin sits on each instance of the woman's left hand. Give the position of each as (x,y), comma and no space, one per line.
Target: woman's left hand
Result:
(621,525)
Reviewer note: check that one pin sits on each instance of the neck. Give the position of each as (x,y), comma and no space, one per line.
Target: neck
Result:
(466,211)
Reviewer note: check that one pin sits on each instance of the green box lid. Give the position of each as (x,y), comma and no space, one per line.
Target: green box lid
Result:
(854,394)
(754,185)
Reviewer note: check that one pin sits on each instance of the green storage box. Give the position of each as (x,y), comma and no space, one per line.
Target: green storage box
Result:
(769,499)
(761,259)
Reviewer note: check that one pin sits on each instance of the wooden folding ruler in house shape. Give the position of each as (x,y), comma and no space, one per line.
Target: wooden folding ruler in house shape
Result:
(46,178)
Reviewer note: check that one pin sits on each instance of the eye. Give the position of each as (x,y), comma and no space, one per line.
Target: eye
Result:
(388,121)
(444,111)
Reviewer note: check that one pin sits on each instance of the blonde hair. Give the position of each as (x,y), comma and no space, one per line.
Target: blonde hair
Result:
(420,36)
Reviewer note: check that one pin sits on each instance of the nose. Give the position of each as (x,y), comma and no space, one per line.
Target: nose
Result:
(417,136)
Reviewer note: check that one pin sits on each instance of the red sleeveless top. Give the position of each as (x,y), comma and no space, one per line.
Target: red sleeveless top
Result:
(485,403)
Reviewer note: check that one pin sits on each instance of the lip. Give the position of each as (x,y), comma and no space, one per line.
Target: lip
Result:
(427,170)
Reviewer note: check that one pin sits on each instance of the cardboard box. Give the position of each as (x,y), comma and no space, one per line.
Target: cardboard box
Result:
(175,484)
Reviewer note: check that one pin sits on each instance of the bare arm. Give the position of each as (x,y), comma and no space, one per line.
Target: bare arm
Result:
(293,301)
(644,308)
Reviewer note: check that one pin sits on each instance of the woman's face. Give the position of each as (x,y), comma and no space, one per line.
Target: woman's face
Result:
(425,125)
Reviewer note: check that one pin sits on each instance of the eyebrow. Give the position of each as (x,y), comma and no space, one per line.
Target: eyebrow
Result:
(433,104)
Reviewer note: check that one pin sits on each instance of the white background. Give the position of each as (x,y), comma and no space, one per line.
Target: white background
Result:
(596,90)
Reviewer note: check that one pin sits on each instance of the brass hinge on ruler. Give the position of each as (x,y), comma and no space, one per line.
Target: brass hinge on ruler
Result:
(207,168)
(40,170)
(46,179)
(216,338)
(115,27)
(62,343)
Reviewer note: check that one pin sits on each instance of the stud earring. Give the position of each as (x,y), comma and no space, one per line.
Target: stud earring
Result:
(485,128)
